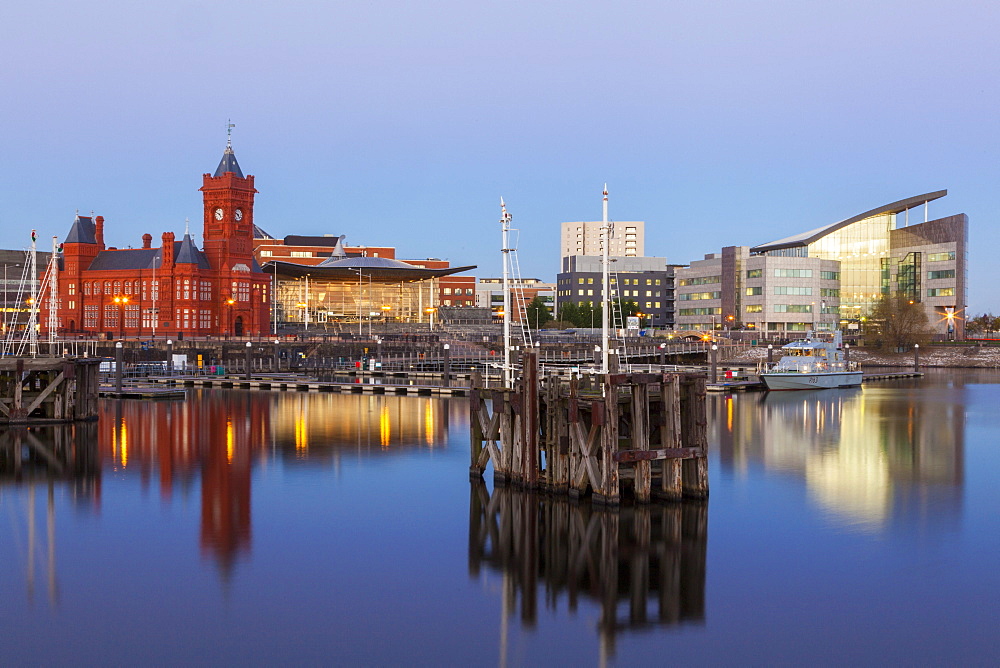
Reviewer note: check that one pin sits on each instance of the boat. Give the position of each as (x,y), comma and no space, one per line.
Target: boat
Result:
(812,364)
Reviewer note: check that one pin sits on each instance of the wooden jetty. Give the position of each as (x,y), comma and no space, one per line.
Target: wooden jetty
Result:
(48,389)
(644,432)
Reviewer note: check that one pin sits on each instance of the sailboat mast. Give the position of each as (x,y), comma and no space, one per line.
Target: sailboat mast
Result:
(33,311)
(605,292)
(505,219)
(54,295)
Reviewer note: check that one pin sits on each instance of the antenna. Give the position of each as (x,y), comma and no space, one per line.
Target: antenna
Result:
(229,132)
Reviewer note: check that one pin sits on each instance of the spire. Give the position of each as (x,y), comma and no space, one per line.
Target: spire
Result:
(228,162)
(188,252)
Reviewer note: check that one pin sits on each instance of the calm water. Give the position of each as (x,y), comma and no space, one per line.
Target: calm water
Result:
(287,528)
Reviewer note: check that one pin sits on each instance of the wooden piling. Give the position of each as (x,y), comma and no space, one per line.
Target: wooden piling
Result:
(643,434)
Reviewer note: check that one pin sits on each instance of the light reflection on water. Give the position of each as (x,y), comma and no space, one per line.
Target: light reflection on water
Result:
(335,525)
(866,455)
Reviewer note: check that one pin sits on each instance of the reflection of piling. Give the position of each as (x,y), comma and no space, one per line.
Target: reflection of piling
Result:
(644,565)
(645,433)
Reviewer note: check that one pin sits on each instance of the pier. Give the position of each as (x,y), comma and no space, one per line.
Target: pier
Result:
(643,433)
(48,390)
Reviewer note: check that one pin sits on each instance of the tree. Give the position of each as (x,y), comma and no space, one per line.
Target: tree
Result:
(897,322)
(569,313)
(537,313)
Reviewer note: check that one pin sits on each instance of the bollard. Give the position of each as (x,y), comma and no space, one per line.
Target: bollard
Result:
(916,357)
(663,354)
(119,363)
(715,370)
(249,359)
(770,353)
(277,356)
(170,356)
(847,352)
(447,364)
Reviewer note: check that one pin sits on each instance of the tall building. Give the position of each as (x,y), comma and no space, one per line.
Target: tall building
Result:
(175,289)
(628,239)
(832,276)
(489,294)
(647,281)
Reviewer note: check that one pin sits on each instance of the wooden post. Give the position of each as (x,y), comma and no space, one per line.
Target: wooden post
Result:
(640,440)
(530,461)
(609,492)
(670,437)
(475,430)
(694,433)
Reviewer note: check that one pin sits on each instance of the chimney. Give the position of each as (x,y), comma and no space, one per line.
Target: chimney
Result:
(147,240)
(99,231)
(168,250)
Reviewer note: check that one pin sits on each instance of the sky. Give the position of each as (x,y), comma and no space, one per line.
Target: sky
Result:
(403,123)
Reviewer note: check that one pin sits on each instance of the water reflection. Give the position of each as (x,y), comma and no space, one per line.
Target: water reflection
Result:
(54,455)
(869,456)
(644,565)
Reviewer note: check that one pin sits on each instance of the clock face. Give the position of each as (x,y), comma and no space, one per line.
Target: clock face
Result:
(218,214)
(239,214)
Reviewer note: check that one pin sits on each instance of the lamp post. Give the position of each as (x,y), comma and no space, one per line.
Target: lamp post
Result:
(277,353)
(121,300)
(170,356)
(916,357)
(249,359)
(119,363)
(229,315)
(770,353)
(715,373)
(430,311)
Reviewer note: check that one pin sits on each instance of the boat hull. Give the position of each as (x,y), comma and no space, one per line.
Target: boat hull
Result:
(811,381)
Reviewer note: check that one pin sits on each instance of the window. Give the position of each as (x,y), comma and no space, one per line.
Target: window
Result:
(941,292)
(941,257)
(944,273)
(265,253)
(695,296)
(90,316)
(205,319)
(793,273)
(830,275)
(649,281)
(701,311)
(86,290)
(206,291)
(755,273)
(301,254)
(829,292)
(580,281)
(111,315)
(447,291)
(590,281)
(792,290)
(107,287)
(700,280)
(793,308)
(754,308)
(72,288)
(128,289)
(754,291)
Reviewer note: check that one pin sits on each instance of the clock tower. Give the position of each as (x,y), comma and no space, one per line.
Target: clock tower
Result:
(228,203)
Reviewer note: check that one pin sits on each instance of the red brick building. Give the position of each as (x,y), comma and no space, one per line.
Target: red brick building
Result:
(176,289)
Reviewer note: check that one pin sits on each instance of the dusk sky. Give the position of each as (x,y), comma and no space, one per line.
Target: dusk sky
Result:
(403,123)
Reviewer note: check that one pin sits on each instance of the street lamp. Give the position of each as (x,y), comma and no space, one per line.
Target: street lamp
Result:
(229,315)
(121,300)
(385,312)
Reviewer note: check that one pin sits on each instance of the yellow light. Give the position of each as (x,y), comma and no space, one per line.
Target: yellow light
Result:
(229,440)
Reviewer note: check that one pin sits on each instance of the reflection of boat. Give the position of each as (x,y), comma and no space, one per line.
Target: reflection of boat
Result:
(812,364)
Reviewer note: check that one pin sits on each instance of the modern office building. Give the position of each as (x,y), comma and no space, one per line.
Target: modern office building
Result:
(489,294)
(628,239)
(832,276)
(648,281)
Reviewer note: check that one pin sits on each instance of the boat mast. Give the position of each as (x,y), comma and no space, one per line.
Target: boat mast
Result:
(605,292)
(33,311)
(54,295)
(505,219)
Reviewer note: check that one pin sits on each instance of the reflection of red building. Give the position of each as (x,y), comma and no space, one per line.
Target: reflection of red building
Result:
(176,287)
(216,436)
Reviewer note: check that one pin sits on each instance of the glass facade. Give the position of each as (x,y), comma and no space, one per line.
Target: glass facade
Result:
(860,248)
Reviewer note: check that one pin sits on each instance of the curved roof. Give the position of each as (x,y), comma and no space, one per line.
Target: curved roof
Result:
(352,268)
(806,238)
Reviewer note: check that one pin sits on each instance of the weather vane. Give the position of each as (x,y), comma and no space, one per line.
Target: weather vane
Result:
(229,132)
